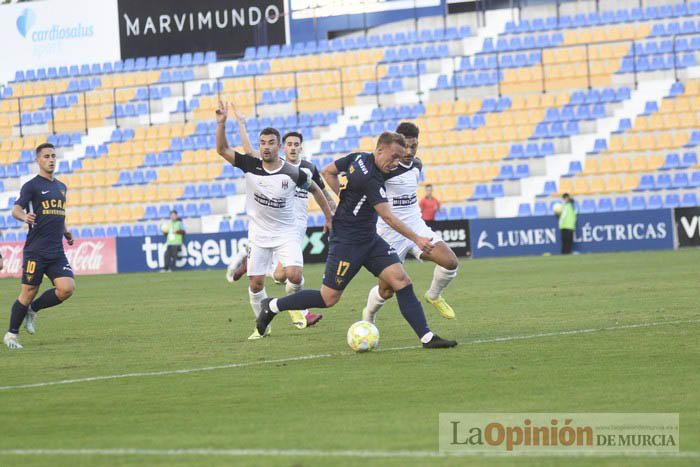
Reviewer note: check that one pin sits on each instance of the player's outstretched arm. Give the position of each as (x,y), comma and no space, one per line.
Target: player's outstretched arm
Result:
(397,224)
(245,139)
(222,146)
(330,175)
(323,204)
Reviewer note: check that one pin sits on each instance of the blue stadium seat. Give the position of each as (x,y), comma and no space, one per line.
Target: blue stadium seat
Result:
(204,209)
(540,209)
(112,231)
(680,180)
(550,187)
(524,210)
(672,200)
(574,168)
(238,225)
(689,200)
(646,182)
(622,203)
(125,231)
(151,213)
(663,182)
(191,210)
(604,205)
(138,231)
(163,211)
(99,232)
(224,226)
(455,212)
(587,206)
(655,202)
(690,159)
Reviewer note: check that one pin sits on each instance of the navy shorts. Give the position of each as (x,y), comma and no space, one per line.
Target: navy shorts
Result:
(345,260)
(34,267)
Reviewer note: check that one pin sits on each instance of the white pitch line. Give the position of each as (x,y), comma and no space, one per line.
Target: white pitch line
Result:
(335,453)
(320,356)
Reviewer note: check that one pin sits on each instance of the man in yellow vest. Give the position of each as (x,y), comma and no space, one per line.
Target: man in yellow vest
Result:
(175,233)
(567,224)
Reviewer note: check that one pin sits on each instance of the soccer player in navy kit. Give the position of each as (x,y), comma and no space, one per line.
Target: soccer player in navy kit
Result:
(359,181)
(42,205)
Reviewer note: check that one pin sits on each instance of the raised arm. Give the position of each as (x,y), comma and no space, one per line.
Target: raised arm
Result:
(323,204)
(222,146)
(245,139)
(397,224)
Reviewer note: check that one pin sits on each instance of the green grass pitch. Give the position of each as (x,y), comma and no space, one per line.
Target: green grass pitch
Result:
(341,405)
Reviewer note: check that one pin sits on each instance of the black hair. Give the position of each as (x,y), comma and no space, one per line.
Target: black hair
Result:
(270,131)
(294,134)
(44,146)
(408,130)
(173,212)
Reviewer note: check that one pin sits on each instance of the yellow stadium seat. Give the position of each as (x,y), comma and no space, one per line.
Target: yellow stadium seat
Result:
(639,164)
(613,185)
(591,167)
(597,185)
(606,166)
(623,164)
(656,162)
(630,183)
(566,186)
(98,215)
(581,186)
(98,196)
(477,174)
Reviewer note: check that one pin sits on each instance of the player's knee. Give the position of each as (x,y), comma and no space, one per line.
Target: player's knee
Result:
(386,292)
(257,285)
(330,298)
(401,280)
(452,263)
(279,275)
(294,276)
(65,292)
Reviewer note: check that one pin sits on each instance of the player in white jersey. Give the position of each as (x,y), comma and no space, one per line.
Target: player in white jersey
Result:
(292,143)
(270,197)
(401,188)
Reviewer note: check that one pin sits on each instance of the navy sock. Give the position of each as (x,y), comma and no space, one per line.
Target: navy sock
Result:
(47,300)
(301,300)
(19,311)
(412,310)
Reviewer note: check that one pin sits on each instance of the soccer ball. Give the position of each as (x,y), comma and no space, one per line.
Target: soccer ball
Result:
(556,209)
(363,336)
(164,228)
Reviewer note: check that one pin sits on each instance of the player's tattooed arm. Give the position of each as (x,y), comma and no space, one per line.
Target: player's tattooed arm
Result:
(330,175)
(397,224)
(222,146)
(329,198)
(245,139)
(323,204)
(19,214)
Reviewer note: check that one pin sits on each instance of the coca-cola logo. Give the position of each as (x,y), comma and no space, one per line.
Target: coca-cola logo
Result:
(88,256)
(12,259)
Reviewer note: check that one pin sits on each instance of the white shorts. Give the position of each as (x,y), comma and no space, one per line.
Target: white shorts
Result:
(401,244)
(301,231)
(261,259)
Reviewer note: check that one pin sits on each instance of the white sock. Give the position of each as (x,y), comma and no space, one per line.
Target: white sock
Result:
(273,306)
(441,279)
(374,300)
(255,299)
(292,288)
(427,338)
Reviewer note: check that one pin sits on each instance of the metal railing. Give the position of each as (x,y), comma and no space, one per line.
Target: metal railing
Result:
(188,90)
